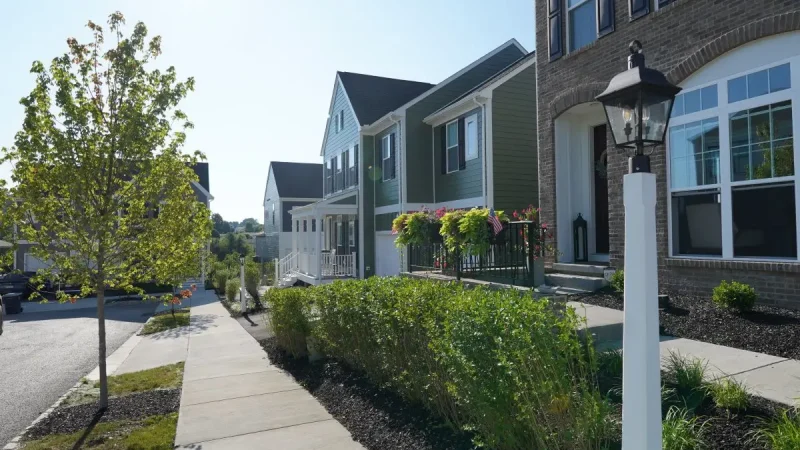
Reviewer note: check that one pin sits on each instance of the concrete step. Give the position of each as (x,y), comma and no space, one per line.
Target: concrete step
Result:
(589,270)
(577,282)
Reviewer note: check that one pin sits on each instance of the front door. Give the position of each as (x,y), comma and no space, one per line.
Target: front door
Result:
(600,190)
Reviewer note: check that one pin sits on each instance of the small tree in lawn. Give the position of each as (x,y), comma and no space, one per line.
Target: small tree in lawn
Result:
(100,182)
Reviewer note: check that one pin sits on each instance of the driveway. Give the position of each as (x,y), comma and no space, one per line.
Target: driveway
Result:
(43,354)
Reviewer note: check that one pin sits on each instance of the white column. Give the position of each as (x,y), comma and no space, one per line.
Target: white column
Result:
(242,298)
(318,238)
(641,388)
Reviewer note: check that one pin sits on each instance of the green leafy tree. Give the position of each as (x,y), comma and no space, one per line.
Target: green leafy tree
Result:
(252,226)
(220,225)
(100,180)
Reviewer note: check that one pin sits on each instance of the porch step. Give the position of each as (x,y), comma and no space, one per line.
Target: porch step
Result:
(576,282)
(588,270)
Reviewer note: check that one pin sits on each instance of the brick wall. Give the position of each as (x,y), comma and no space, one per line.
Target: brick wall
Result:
(678,40)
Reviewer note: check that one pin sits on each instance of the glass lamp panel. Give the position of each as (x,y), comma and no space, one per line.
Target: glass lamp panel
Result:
(621,118)
(655,116)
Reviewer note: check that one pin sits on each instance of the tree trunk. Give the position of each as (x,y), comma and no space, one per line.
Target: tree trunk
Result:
(101,333)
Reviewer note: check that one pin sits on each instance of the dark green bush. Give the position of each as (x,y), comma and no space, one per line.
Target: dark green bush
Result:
(735,295)
(288,318)
(221,279)
(511,369)
(232,290)
(618,281)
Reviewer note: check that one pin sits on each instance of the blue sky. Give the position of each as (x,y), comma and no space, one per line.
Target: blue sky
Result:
(264,69)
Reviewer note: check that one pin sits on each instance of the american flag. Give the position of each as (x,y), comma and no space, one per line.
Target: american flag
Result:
(497,226)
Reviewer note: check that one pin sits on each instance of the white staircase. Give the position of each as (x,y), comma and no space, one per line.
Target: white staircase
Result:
(286,270)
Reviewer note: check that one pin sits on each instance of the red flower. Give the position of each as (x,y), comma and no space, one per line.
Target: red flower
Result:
(436,264)
(73,299)
(176,301)
(516,215)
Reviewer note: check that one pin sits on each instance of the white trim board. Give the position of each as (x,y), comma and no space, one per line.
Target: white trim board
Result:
(387,209)
(203,190)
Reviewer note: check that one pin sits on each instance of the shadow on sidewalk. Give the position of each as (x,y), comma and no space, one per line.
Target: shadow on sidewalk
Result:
(197,324)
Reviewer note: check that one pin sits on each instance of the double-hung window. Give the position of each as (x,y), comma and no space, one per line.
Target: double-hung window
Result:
(732,180)
(451,146)
(582,23)
(471,137)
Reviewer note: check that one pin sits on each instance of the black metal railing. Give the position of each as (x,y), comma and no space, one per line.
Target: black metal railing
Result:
(509,257)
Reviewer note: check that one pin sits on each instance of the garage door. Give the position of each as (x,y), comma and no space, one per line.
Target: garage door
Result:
(32,263)
(387,256)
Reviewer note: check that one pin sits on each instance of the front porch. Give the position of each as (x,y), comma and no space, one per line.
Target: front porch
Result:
(324,245)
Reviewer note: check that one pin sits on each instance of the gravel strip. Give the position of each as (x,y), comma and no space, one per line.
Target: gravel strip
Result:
(70,419)
(767,329)
(376,418)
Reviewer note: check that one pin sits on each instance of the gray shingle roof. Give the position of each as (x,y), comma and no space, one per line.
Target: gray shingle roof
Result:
(297,180)
(372,97)
(489,80)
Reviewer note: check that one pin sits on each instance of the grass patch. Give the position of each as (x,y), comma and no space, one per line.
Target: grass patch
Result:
(166,321)
(156,433)
(164,377)
(780,433)
(729,394)
(680,431)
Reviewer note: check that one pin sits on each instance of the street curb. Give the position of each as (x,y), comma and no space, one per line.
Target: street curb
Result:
(15,443)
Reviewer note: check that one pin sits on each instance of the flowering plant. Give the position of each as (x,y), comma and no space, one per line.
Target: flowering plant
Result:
(414,227)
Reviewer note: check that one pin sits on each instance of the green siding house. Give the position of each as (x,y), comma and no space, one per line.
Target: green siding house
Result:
(393,146)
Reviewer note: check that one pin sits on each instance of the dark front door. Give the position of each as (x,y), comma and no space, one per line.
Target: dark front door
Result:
(600,190)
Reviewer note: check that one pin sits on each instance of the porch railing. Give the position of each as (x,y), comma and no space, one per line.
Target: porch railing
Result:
(285,265)
(510,258)
(338,265)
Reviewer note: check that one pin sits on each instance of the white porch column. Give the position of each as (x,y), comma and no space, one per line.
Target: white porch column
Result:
(641,388)
(318,239)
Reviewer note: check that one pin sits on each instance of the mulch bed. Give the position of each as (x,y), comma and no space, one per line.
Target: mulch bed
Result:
(766,329)
(70,419)
(377,418)
(733,433)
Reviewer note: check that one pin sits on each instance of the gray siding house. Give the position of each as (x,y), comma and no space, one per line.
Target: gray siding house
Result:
(289,185)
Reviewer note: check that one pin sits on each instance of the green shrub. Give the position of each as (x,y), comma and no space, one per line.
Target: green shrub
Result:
(780,433)
(680,431)
(232,290)
(617,281)
(735,295)
(729,394)
(513,370)
(252,278)
(288,318)
(221,279)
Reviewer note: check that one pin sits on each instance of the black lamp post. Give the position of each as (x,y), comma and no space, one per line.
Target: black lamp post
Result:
(638,103)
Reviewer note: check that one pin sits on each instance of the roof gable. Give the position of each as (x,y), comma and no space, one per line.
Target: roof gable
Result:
(297,180)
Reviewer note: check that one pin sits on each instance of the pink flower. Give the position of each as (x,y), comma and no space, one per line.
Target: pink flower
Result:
(516,215)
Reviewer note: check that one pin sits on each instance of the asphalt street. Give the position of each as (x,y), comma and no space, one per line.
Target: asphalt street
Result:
(43,354)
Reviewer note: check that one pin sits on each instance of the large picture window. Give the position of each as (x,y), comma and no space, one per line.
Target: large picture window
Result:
(731,171)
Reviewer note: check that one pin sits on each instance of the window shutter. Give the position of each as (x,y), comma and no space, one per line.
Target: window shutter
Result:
(355,165)
(605,17)
(639,8)
(325,178)
(393,156)
(443,140)
(554,29)
(336,173)
(346,168)
(462,147)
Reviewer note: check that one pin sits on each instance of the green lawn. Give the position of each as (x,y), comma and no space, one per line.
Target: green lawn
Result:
(164,377)
(166,321)
(152,433)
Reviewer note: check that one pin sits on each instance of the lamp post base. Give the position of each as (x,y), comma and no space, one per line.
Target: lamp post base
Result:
(641,376)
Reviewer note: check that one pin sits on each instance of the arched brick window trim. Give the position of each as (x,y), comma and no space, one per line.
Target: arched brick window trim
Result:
(584,93)
(768,26)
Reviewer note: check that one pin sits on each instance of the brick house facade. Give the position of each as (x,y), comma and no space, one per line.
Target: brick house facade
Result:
(681,38)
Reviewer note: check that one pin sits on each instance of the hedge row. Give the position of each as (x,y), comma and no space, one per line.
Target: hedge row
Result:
(513,370)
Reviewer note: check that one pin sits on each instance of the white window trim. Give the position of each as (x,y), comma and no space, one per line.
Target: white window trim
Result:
(723,111)
(386,155)
(569,10)
(471,118)
(447,148)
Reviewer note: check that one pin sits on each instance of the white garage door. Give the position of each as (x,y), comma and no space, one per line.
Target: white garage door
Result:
(32,263)
(387,256)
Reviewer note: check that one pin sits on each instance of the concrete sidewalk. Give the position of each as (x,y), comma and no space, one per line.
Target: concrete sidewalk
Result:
(234,398)
(771,377)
